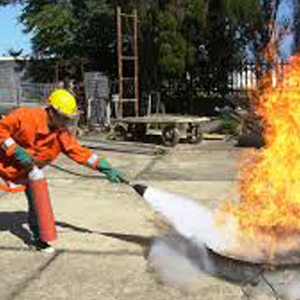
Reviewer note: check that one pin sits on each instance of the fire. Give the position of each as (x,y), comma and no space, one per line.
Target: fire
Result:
(269,182)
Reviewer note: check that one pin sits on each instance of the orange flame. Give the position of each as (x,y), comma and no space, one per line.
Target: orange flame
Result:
(269,182)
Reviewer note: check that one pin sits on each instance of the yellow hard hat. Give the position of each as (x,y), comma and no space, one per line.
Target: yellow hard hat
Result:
(63,102)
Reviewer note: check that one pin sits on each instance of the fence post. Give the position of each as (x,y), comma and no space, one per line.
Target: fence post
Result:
(18,95)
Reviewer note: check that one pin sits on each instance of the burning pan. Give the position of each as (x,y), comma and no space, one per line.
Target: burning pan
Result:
(261,255)
(197,224)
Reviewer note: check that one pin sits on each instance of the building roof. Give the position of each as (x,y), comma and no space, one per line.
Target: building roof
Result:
(12,58)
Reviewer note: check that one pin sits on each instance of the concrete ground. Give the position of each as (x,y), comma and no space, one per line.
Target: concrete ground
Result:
(105,229)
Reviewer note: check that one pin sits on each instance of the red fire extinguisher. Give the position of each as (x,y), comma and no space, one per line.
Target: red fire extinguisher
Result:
(42,203)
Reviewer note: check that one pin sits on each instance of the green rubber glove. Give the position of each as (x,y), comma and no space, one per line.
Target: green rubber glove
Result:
(111,174)
(23,157)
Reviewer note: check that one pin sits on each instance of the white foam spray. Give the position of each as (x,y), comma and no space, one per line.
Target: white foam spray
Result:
(182,260)
(196,222)
(169,259)
(291,291)
(190,219)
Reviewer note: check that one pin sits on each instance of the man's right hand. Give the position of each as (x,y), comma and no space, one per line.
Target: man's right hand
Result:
(111,174)
(23,157)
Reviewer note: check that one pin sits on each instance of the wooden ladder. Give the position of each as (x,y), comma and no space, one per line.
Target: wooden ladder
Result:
(128,64)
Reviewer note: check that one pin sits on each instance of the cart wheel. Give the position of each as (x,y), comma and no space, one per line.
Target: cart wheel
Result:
(138,131)
(170,135)
(119,133)
(194,134)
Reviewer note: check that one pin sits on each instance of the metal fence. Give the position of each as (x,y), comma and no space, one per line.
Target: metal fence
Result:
(246,77)
(25,93)
(240,77)
(212,82)
(29,94)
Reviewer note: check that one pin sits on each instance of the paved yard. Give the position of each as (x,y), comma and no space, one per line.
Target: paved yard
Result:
(105,230)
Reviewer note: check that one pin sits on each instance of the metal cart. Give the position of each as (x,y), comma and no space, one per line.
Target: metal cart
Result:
(172,128)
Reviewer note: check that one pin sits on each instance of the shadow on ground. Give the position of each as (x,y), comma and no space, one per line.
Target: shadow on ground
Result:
(204,260)
(15,223)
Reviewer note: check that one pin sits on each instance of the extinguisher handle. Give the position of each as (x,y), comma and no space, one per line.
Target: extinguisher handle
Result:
(36,173)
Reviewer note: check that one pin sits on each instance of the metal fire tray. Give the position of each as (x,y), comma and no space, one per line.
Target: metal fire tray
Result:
(243,254)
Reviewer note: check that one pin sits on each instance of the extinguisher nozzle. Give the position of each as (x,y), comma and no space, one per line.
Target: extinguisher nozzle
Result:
(140,189)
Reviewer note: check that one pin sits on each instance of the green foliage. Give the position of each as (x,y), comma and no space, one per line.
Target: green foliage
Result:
(243,11)
(205,39)
(52,26)
(9,2)
(77,32)
(40,70)
(172,46)
(229,125)
(198,10)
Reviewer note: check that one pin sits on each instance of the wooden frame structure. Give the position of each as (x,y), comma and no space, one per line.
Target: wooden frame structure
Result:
(126,21)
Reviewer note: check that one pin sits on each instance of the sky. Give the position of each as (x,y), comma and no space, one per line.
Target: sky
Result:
(286,10)
(12,37)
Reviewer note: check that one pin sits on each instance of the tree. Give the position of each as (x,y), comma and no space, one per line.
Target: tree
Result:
(179,40)
(204,39)
(163,47)
(9,2)
(75,32)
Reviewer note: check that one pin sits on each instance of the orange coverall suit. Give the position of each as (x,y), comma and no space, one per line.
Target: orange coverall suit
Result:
(28,127)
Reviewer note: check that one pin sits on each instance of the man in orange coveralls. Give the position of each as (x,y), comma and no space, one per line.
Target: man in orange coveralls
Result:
(34,137)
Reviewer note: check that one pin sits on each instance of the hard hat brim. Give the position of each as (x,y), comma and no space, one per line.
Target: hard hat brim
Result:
(66,115)
(70,116)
